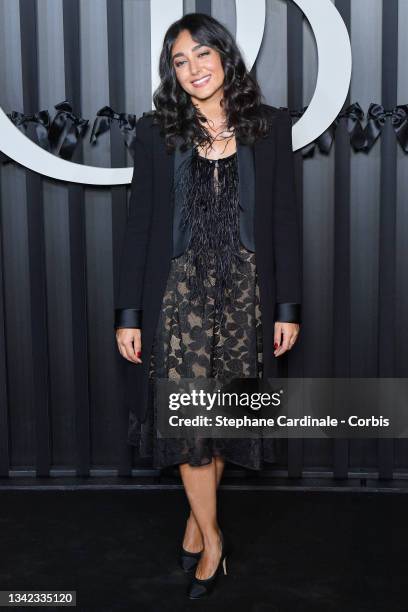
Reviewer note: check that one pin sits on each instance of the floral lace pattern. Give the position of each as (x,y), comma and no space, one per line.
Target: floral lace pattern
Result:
(189,343)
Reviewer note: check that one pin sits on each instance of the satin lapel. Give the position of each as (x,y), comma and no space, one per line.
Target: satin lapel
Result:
(163,184)
(264,176)
(246,171)
(181,237)
(180,156)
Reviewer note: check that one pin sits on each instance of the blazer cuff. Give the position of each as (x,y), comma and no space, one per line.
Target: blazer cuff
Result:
(128,317)
(288,312)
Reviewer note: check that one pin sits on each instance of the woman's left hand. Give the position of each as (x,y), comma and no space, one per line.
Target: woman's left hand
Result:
(285,337)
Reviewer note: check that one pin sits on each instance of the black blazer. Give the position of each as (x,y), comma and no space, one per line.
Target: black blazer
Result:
(148,244)
(132,317)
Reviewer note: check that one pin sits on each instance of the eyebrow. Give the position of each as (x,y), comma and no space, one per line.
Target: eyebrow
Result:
(193,49)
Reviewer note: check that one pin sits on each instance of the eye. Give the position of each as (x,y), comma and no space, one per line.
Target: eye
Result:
(178,64)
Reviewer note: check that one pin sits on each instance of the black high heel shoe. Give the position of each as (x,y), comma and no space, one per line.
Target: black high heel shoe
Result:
(202,587)
(188,560)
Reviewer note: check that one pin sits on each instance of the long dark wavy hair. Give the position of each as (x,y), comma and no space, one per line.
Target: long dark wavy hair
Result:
(175,112)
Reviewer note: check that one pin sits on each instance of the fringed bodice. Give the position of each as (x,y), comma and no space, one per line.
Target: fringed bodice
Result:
(210,206)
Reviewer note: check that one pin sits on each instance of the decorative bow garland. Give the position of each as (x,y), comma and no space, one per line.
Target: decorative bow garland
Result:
(353,117)
(59,136)
(62,135)
(361,139)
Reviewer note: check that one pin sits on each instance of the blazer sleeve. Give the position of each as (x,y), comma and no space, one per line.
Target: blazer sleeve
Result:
(286,231)
(128,303)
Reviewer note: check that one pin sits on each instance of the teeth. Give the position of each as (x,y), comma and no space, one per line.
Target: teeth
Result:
(202,80)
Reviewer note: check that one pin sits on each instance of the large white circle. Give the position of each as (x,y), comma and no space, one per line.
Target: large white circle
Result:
(333,81)
(334,71)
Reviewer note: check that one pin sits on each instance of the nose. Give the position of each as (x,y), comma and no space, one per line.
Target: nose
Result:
(194,67)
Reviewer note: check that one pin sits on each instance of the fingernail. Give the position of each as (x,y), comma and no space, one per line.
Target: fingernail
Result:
(139,354)
(275,346)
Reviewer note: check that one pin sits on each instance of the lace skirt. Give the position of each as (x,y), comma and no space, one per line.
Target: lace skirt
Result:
(194,340)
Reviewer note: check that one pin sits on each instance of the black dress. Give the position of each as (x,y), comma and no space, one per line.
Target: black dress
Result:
(210,321)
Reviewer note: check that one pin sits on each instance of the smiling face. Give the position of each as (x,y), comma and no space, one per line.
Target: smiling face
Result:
(198,68)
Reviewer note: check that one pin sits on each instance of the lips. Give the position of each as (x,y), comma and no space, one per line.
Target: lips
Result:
(202,81)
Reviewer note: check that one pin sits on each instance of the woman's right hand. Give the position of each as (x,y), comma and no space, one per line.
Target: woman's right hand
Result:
(130,343)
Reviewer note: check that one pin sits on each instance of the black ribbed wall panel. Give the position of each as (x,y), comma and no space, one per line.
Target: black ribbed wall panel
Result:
(61,375)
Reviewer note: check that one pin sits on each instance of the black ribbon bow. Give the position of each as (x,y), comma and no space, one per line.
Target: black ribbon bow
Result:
(377,117)
(354,116)
(66,130)
(41,120)
(103,122)
(400,123)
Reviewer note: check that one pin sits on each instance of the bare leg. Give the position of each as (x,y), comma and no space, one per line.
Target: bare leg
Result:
(220,464)
(193,538)
(200,484)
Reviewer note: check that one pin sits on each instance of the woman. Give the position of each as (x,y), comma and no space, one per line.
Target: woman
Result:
(212,189)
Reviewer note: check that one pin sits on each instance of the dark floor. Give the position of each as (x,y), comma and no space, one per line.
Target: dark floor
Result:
(294,551)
